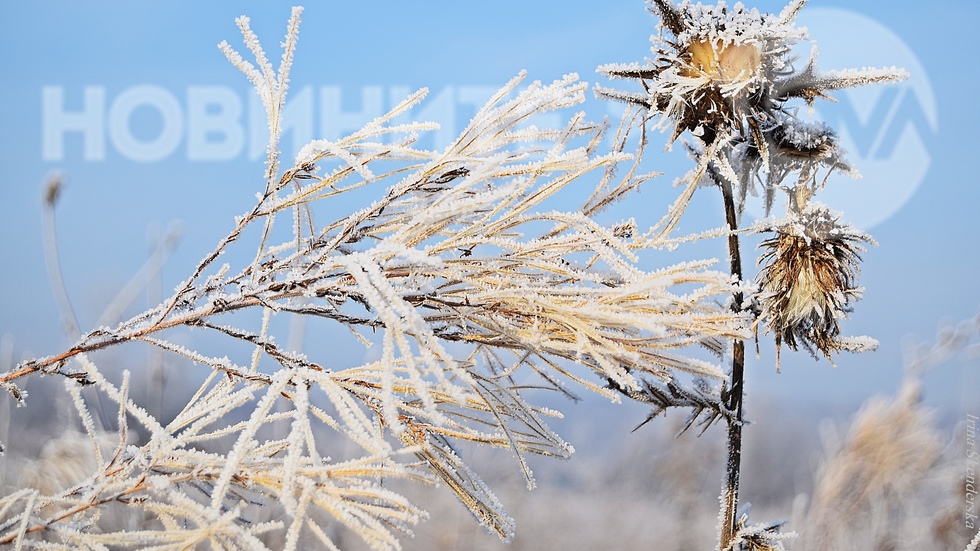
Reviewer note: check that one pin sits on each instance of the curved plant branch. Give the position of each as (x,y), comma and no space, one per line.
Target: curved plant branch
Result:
(459,272)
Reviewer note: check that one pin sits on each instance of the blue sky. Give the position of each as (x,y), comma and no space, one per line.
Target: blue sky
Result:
(924,272)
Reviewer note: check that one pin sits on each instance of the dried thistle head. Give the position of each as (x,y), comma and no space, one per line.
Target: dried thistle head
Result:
(723,71)
(723,78)
(717,70)
(808,281)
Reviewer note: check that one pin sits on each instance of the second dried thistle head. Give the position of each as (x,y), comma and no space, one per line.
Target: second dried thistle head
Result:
(808,280)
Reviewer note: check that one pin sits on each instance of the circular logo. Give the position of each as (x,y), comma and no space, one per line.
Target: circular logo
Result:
(885,128)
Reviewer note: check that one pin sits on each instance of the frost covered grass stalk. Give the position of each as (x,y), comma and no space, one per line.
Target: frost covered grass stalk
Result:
(724,76)
(472,289)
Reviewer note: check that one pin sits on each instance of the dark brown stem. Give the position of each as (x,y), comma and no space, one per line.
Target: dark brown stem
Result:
(733,398)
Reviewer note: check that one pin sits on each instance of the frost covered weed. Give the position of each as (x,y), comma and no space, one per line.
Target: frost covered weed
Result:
(726,77)
(475,293)
(471,290)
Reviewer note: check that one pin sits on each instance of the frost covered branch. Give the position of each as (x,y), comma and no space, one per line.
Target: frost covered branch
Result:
(458,270)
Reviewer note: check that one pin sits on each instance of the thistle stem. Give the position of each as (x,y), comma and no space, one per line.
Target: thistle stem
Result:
(733,399)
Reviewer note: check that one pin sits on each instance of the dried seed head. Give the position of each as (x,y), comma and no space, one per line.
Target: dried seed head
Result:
(724,71)
(808,281)
(717,71)
(53,185)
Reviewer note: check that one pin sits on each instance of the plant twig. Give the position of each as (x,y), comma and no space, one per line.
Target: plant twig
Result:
(733,398)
